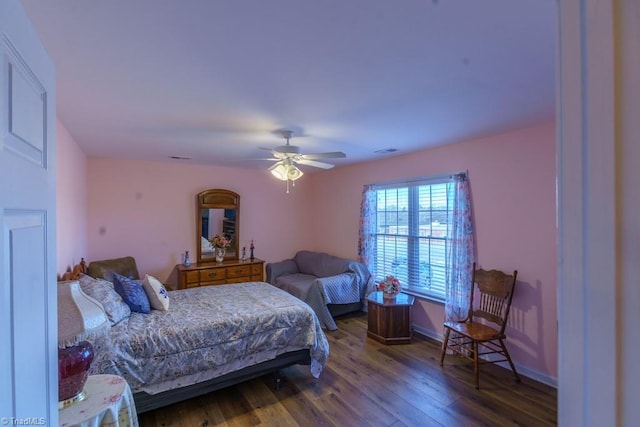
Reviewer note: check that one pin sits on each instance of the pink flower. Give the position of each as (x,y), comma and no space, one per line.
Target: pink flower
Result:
(220,241)
(390,284)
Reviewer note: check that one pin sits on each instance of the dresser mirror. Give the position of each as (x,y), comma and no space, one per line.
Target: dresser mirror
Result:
(218,212)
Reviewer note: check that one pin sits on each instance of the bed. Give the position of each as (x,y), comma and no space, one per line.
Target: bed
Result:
(209,338)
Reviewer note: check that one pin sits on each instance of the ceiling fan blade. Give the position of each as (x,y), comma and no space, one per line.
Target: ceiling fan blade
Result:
(315,164)
(332,155)
(277,154)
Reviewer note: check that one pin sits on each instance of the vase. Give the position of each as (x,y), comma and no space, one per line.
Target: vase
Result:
(390,294)
(220,254)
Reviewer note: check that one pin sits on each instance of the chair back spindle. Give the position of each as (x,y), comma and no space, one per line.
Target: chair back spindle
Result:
(495,290)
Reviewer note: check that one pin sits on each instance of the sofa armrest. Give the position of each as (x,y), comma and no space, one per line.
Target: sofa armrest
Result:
(276,269)
(342,279)
(340,288)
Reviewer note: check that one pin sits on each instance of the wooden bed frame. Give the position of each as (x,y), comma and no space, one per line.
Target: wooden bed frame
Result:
(147,402)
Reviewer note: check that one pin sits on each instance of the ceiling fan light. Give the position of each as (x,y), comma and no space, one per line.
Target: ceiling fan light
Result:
(280,171)
(294,173)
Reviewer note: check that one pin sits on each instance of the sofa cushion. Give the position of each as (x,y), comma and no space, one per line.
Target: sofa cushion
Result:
(320,264)
(296,284)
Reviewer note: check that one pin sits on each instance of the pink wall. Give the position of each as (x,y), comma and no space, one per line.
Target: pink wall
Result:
(147,210)
(71,203)
(512,179)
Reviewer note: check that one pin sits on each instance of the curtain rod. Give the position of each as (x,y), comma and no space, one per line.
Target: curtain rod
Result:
(426,178)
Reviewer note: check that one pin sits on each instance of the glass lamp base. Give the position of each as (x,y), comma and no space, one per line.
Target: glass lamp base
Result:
(73,371)
(72,400)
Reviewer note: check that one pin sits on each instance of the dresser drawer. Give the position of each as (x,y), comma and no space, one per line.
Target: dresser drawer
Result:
(192,278)
(238,271)
(212,274)
(220,273)
(256,269)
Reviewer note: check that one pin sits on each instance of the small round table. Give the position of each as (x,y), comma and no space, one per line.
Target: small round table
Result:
(389,320)
(108,402)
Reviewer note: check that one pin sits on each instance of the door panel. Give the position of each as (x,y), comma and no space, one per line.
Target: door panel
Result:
(25,109)
(28,292)
(26,232)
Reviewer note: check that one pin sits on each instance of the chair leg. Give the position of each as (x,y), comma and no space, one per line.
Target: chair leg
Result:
(445,343)
(506,353)
(476,365)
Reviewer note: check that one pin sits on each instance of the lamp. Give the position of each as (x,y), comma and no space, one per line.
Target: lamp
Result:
(80,318)
(294,173)
(286,171)
(279,171)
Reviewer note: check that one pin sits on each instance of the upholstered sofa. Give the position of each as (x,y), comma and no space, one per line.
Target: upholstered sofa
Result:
(331,285)
(125,266)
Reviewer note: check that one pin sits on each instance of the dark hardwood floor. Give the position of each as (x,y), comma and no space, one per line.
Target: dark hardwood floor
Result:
(366,383)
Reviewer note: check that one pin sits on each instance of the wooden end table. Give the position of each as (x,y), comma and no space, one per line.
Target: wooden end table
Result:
(390,319)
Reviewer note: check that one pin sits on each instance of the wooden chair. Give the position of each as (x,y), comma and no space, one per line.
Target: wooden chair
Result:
(474,339)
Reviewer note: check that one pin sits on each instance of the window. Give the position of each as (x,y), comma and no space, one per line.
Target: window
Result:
(412,233)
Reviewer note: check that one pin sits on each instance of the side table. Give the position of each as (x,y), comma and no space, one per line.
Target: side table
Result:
(389,320)
(109,402)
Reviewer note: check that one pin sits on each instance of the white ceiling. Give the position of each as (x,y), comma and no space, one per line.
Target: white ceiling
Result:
(214,80)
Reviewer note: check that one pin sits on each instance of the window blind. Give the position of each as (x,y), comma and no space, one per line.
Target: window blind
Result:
(412,232)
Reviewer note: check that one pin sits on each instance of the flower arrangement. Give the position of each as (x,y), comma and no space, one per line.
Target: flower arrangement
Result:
(390,285)
(220,241)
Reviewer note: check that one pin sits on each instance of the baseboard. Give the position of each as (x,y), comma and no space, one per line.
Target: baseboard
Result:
(522,370)
(427,333)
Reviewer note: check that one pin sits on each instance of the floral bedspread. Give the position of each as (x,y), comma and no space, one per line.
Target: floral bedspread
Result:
(208,332)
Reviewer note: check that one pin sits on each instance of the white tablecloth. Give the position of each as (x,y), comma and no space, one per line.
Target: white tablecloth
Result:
(108,403)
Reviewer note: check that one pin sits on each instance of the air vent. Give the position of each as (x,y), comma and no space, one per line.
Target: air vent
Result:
(386,151)
(180,158)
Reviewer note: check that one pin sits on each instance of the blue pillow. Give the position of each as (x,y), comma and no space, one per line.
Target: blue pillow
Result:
(132,293)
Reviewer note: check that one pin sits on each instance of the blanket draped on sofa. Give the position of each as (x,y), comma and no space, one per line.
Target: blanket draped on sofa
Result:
(319,279)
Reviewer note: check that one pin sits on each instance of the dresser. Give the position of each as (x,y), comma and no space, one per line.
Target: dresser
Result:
(229,271)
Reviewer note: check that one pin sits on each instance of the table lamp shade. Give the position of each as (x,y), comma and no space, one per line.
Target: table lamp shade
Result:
(80,318)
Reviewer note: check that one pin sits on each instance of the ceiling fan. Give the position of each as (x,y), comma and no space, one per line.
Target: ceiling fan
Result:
(288,156)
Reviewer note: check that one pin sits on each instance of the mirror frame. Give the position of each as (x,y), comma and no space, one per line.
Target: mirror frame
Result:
(217,199)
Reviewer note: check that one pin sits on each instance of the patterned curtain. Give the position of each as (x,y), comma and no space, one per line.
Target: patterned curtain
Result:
(461,250)
(367,233)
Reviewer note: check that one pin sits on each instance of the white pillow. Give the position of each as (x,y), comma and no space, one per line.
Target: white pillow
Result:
(156,292)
